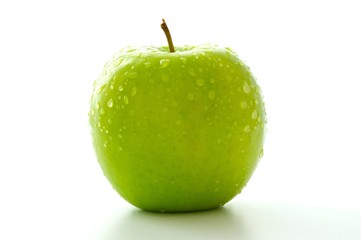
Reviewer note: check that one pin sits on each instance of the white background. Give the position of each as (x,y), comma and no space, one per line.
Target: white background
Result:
(305,54)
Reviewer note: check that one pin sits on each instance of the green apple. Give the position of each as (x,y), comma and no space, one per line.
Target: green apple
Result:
(177,131)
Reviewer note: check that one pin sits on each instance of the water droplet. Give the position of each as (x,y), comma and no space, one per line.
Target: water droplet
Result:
(151,80)
(165,78)
(101,88)
(110,103)
(200,81)
(120,136)
(99,124)
(130,49)
(261,153)
(131,75)
(105,144)
(126,100)
(147,64)
(92,112)
(212,80)
(246,88)
(184,60)
(247,129)
(254,114)
(243,104)
(191,72)
(110,121)
(120,88)
(117,62)
(190,96)
(211,94)
(164,63)
(134,91)
(256,101)
(102,111)
(97,106)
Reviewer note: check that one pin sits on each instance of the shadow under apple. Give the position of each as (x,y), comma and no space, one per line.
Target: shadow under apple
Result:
(245,221)
(219,223)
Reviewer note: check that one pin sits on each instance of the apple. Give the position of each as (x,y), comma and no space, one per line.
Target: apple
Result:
(178,129)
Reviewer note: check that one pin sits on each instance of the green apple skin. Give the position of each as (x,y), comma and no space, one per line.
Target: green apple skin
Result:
(177,132)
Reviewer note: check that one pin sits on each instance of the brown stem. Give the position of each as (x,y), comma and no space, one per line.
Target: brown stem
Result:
(167,34)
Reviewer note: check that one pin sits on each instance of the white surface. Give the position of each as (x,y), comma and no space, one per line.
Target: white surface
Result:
(305,54)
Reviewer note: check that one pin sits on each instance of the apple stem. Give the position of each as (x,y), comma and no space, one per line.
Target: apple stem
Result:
(167,34)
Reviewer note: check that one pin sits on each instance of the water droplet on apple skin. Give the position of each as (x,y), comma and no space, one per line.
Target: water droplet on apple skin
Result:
(261,152)
(191,72)
(110,103)
(200,82)
(164,63)
(134,91)
(184,60)
(246,88)
(147,64)
(101,88)
(117,62)
(247,129)
(125,100)
(243,104)
(190,96)
(211,94)
(131,75)
(254,115)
